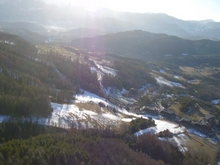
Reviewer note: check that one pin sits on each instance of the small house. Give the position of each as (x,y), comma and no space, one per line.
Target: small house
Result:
(186,121)
(210,119)
(203,127)
(149,110)
(168,114)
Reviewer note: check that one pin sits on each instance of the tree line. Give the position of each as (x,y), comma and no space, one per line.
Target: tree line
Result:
(90,146)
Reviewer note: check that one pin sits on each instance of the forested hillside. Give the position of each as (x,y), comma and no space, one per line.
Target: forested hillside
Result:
(26,82)
(131,73)
(22,89)
(145,44)
(94,147)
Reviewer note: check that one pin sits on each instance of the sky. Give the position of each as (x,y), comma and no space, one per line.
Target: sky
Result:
(182,9)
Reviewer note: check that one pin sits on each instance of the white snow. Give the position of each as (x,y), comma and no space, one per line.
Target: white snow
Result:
(93,69)
(163,81)
(87,97)
(123,91)
(106,70)
(108,90)
(37,59)
(110,116)
(179,143)
(162,125)
(67,115)
(197,133)
(7,42)
(127,119)
(162,71)
(215,102)
(176,76)
(3,118)
(144,87)
(191,81)
(178,140)
(177,84)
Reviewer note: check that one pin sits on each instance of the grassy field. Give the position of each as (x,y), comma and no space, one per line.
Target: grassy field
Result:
(88,106)
(56,48)
(202,148)
(195,114)
(190,71)
(199,71)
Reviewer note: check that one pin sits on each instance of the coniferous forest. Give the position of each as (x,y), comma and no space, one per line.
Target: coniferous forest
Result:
(34,144)
(31,81)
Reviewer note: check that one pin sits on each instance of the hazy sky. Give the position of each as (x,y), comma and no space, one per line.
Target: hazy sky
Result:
(183,9)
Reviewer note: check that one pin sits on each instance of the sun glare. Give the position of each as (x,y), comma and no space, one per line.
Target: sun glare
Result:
(187,9)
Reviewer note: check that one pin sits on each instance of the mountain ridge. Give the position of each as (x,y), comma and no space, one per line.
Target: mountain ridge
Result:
(141,43)
(73,17)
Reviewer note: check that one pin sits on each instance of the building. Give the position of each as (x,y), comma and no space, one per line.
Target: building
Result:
(168,114)
(149,110)
(210,119)
(186,121)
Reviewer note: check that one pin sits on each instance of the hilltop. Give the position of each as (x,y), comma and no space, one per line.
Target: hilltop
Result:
(146,44)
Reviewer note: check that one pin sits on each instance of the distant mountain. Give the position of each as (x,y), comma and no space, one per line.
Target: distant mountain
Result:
(142,44)
(162,23)
(73,17)
(26,34)
(31,32)
(23,25)
(69,35)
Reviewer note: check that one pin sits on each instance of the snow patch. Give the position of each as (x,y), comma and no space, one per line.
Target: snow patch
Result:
(145,87)
(123,91)
(106,70)
(7,42)
(93,69)
(3,118)
(87,97)
(127,119)
(110,116)
(163,81)
(215,102)
(162,71)
(161,126)
(197,133)
(191,81)
(108,90)
(178,141)
(67,115)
